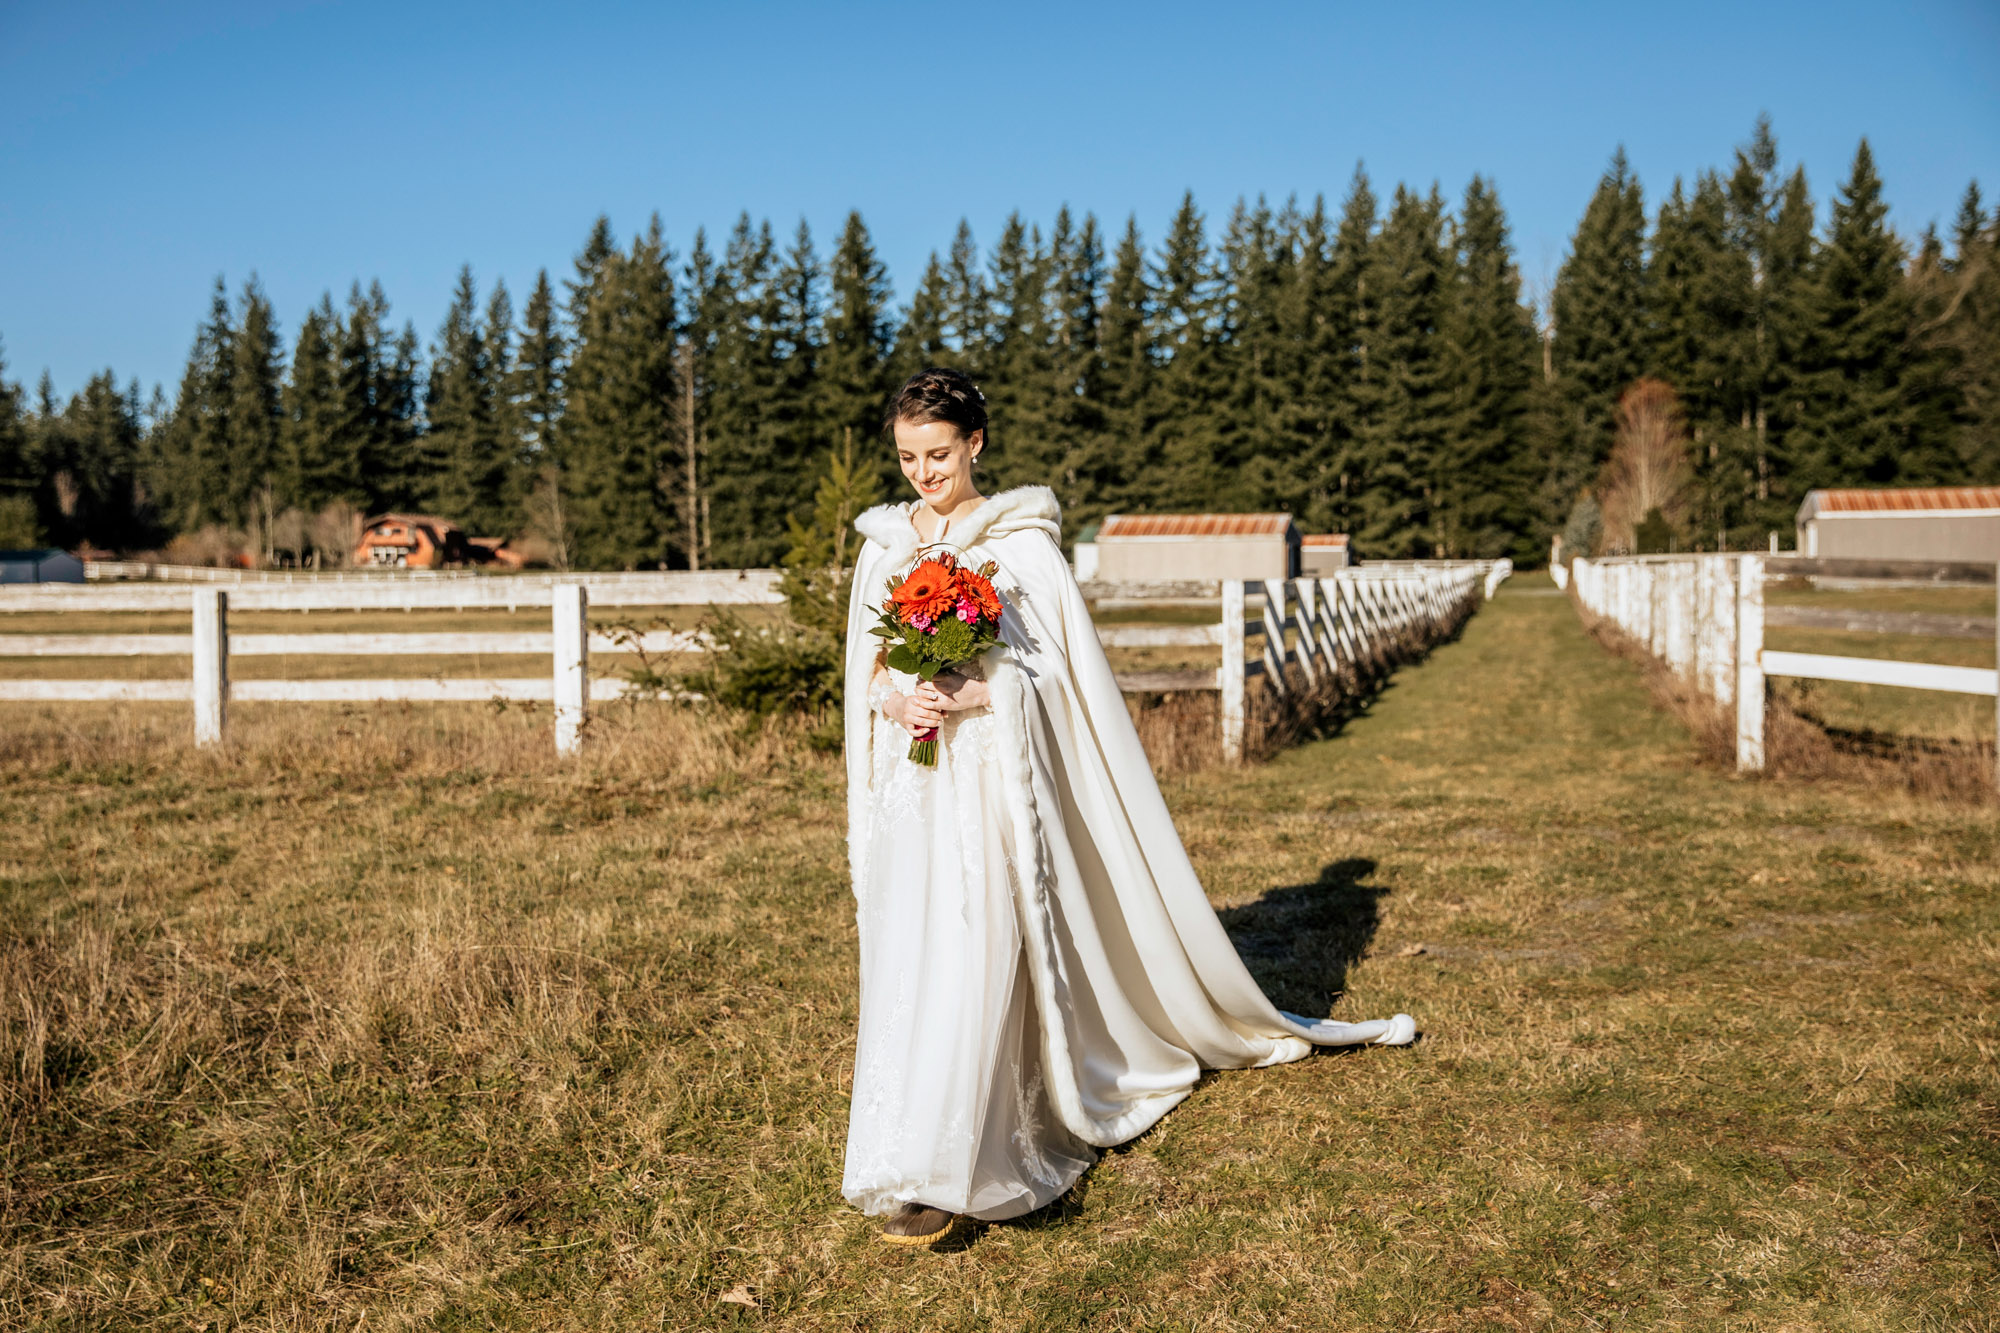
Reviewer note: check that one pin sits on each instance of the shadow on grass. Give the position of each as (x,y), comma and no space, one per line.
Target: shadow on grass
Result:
(1298,940)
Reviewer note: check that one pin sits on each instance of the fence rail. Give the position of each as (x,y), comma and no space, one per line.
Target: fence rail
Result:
(1705,617)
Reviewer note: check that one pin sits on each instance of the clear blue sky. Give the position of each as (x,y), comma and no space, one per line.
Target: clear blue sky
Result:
(148,148)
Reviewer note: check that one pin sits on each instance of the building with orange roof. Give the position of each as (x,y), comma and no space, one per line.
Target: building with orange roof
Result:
(1142,548)
(1914,523)
(1321,553)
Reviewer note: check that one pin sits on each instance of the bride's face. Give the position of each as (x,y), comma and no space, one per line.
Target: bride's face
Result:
(938,460)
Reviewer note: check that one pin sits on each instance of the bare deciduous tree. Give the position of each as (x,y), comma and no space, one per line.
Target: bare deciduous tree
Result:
(1648,469)
(334,532)
(548,519)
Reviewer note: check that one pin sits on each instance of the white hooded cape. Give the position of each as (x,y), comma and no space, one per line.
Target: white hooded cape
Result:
(1136,987)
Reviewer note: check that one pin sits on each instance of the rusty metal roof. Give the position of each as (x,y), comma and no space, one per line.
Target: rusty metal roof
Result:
(1916,498)
(1324,539)
(1116,526)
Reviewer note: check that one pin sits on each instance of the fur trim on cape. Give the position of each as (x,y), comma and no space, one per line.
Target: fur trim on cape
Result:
(888,525)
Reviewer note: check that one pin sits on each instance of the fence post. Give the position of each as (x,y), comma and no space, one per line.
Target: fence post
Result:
(1722,612)
(1232,670)
(572,658)
(1750,665)
(211,665)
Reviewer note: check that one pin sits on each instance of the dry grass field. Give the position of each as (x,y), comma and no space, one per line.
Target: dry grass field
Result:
(382,1017)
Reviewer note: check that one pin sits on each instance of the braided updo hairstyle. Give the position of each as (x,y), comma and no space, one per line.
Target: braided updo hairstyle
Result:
(938,393)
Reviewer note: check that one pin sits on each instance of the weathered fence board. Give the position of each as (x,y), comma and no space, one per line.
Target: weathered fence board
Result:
(1926,623)
(1941,572)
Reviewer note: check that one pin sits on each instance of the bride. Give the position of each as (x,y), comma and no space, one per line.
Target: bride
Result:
(1041,973)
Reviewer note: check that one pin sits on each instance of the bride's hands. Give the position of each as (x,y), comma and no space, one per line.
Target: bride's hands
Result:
(911,713)
(953,693)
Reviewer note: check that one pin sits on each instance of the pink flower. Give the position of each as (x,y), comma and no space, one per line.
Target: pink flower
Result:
(922,622)
(967,611)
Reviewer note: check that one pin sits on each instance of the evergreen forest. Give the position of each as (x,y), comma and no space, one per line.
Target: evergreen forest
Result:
(1375,367)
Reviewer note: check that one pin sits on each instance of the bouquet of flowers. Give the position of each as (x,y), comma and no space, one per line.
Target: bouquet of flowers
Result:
(940,615)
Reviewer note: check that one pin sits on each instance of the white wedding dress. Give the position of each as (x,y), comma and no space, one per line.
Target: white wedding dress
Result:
(1041,973)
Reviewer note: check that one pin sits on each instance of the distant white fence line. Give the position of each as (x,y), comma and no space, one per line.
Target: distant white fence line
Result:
(1704,616)
(1351,627)
(509,592)
(120,570)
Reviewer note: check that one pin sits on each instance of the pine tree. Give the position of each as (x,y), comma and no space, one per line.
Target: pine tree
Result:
(309,440)
(191,476)
(1258,359)
(1484,484)
(1701,297)
(1856,423)
(508,422)
(1343,378)
(968,311)
(20,520)
(1400,443)
(399,425)
(1017,370)
(1119,468)
(98,455)
(619,441)
(1075,415)
(358,439)
(537,390)
(739,409)
(599,248)
(1958,334)
(1187,426)
(854,372)
(799,431)
(255,383)
(1600,343)
(473,458)
(921,337)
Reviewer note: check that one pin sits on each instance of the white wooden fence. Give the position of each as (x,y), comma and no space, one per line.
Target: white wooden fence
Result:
(210,645)
(1346,629)
(1350,628)
(1704,616)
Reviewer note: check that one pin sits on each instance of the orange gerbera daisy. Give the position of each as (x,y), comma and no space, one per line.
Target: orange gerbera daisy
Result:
(927,594)
(981,591)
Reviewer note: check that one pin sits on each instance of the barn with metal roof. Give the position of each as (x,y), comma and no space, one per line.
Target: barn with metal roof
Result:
(1917,523)
(1135,548)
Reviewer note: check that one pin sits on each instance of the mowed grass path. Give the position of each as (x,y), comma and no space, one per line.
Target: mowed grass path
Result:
(384,1015)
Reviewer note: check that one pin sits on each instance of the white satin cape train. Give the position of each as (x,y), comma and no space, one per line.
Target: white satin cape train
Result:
(1130,987)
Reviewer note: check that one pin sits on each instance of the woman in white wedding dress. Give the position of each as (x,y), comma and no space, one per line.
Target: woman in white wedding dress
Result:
(1041,973)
